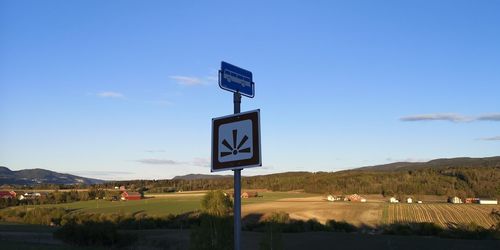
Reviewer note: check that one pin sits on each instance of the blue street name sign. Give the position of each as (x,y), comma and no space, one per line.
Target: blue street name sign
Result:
(236,79)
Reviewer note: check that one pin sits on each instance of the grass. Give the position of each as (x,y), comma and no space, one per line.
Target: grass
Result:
(161,206)
(154,206)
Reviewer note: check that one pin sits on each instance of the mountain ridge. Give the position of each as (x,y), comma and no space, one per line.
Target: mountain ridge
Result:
(41,176)
(440,163)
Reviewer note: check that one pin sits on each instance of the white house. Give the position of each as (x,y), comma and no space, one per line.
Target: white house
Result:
(333,198)
(488,201)
(393,200)
(419,202)
(409,200)
(330,198)
(455,200)
(29,196)
(363,200)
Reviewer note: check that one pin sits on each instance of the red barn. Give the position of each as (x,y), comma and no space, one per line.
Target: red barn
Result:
(8,194)
(354,198)
(471,200)
(131,196)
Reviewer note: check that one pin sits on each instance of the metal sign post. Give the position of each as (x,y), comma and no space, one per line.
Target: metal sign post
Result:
(236,138)
(237,186)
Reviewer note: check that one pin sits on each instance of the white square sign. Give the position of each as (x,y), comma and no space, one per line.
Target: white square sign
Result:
(236,141)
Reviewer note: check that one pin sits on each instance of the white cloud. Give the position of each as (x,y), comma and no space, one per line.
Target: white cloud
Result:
(110,94)
(194,80)
(494,138)
(452,117)
(187,80)
(489,117)
(437,117)
(159,161)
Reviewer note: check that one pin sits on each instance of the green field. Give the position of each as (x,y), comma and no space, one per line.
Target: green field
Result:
(151,206)
(164,205)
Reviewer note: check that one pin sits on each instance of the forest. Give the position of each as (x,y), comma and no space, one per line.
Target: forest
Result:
(452,181)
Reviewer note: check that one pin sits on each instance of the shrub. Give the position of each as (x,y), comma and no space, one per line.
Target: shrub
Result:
(215,229)
(216,203)
(340,226)
(279,217)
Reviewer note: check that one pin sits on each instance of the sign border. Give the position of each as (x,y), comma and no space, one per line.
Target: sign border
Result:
(232,90)
(230,165)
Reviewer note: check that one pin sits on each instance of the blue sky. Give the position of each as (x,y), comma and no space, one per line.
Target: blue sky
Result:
(127,89)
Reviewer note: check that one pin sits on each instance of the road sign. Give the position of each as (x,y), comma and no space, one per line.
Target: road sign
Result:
(236,79)
(236,141)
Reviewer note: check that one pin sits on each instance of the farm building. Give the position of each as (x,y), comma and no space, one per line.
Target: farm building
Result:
(471,200)
(333,198)
(8,194)
(409,200)
(29,196)
(244,195)
(455,200)
(130,196)
(484,201)
(419,202)
(393,200)
(354,198)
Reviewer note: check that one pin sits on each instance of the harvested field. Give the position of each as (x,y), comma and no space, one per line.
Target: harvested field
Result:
(316,207)
(440,214)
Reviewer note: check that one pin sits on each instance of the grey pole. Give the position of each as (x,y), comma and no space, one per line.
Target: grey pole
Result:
(237,186)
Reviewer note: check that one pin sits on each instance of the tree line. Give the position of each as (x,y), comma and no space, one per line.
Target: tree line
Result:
(453,181)
(57,197)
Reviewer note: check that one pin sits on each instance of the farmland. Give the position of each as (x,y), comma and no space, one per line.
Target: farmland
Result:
(162,204)
(300,206)
(316,207)
(440,213)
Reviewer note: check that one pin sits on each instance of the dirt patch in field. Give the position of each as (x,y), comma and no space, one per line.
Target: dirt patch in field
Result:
(316,207)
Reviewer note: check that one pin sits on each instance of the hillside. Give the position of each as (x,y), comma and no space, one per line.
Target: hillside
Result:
(465,162)
(41,176)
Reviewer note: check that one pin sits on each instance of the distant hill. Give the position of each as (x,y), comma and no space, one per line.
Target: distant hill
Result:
(41,176)
(200,176)
(436,164)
